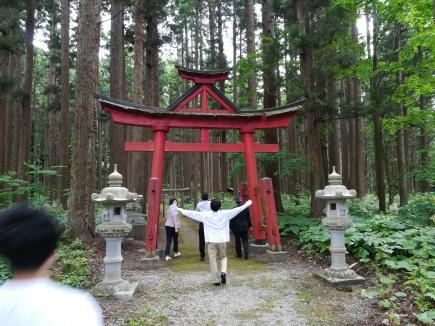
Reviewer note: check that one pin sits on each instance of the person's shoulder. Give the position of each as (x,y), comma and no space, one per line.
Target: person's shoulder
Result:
(77,301)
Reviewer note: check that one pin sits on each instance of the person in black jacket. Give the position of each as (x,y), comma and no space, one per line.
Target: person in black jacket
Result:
(240,225)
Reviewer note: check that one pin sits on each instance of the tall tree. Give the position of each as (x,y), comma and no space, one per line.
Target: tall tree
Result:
(26,104)
(138,167)
(313,142)
(81,210)
(117,131)
(270,57)
(250,52)
(377,131)
(400,135)
(152,80)
(63,180)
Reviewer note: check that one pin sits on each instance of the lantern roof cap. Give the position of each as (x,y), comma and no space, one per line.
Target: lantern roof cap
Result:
(334,178)
(115,178)
(114,192)
(335,189)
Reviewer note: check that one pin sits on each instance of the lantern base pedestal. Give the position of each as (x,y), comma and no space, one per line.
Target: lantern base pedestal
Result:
(119,290)
(336,278)
(149,263)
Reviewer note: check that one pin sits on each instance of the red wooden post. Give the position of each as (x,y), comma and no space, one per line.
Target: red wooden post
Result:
(153,217)
(270,214)
(253,187)
(155,190)
(205,133)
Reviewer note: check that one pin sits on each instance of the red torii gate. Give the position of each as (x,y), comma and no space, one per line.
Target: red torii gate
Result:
(177,115)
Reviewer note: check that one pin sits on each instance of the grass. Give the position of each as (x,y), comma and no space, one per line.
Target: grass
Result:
(147,316)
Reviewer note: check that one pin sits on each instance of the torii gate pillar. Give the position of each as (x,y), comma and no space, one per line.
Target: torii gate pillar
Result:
(252,183)
(157,175)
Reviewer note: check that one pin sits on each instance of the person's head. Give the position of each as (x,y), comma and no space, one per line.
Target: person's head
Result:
(28,237)
(215,205)
(173,201)
(204,196)
(238,200)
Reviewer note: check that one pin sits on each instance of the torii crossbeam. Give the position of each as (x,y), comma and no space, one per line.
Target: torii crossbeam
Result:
(179,115)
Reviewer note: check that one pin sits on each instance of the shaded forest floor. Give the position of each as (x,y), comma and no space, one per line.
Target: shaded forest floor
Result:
(181,293)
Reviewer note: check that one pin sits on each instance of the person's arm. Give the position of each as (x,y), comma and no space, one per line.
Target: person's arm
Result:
(230,213)
(194,215)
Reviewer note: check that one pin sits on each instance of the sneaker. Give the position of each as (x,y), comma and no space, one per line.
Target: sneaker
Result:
(223,278)
(168,258)
(216,284)
(177,254)
(202,259)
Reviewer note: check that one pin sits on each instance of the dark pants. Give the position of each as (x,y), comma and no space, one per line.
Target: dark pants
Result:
(171,234)
(241,237)
(201,240)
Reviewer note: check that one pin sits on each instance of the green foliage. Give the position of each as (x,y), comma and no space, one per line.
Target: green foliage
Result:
(73,266)
(289,163)
(34,189)
(400,245)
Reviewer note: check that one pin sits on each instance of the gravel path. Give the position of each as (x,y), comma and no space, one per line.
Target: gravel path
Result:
(181,293)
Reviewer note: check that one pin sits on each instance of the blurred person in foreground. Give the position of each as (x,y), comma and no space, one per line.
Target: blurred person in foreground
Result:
(240,225)
(28,239)
(217,234)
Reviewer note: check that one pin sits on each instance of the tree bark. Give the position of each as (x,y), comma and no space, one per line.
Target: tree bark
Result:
(138,160)
(333,153)
(250,52)
(235,100)
(269,100)
(3,114)
(26,103)
(360,166)
(212,32)
(223,171)
(400,138)
(81,209)
(51,140)
(117,131)
(377,136)
(63,180)
(313,144)
(152,94)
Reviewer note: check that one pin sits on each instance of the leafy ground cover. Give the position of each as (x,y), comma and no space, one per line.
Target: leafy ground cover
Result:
(398,247)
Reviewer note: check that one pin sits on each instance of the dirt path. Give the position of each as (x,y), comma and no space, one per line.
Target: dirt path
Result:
(181,293)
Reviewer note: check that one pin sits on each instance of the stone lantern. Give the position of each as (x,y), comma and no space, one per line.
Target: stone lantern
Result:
(113,229)
(337,221)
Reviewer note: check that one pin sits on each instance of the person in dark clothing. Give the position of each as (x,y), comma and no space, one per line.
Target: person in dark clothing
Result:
(202,206)
(240,225)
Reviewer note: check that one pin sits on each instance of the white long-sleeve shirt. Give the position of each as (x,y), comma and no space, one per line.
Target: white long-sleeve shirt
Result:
(216,224)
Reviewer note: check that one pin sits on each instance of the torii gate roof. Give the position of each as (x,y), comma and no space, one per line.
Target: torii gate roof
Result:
(178,116)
